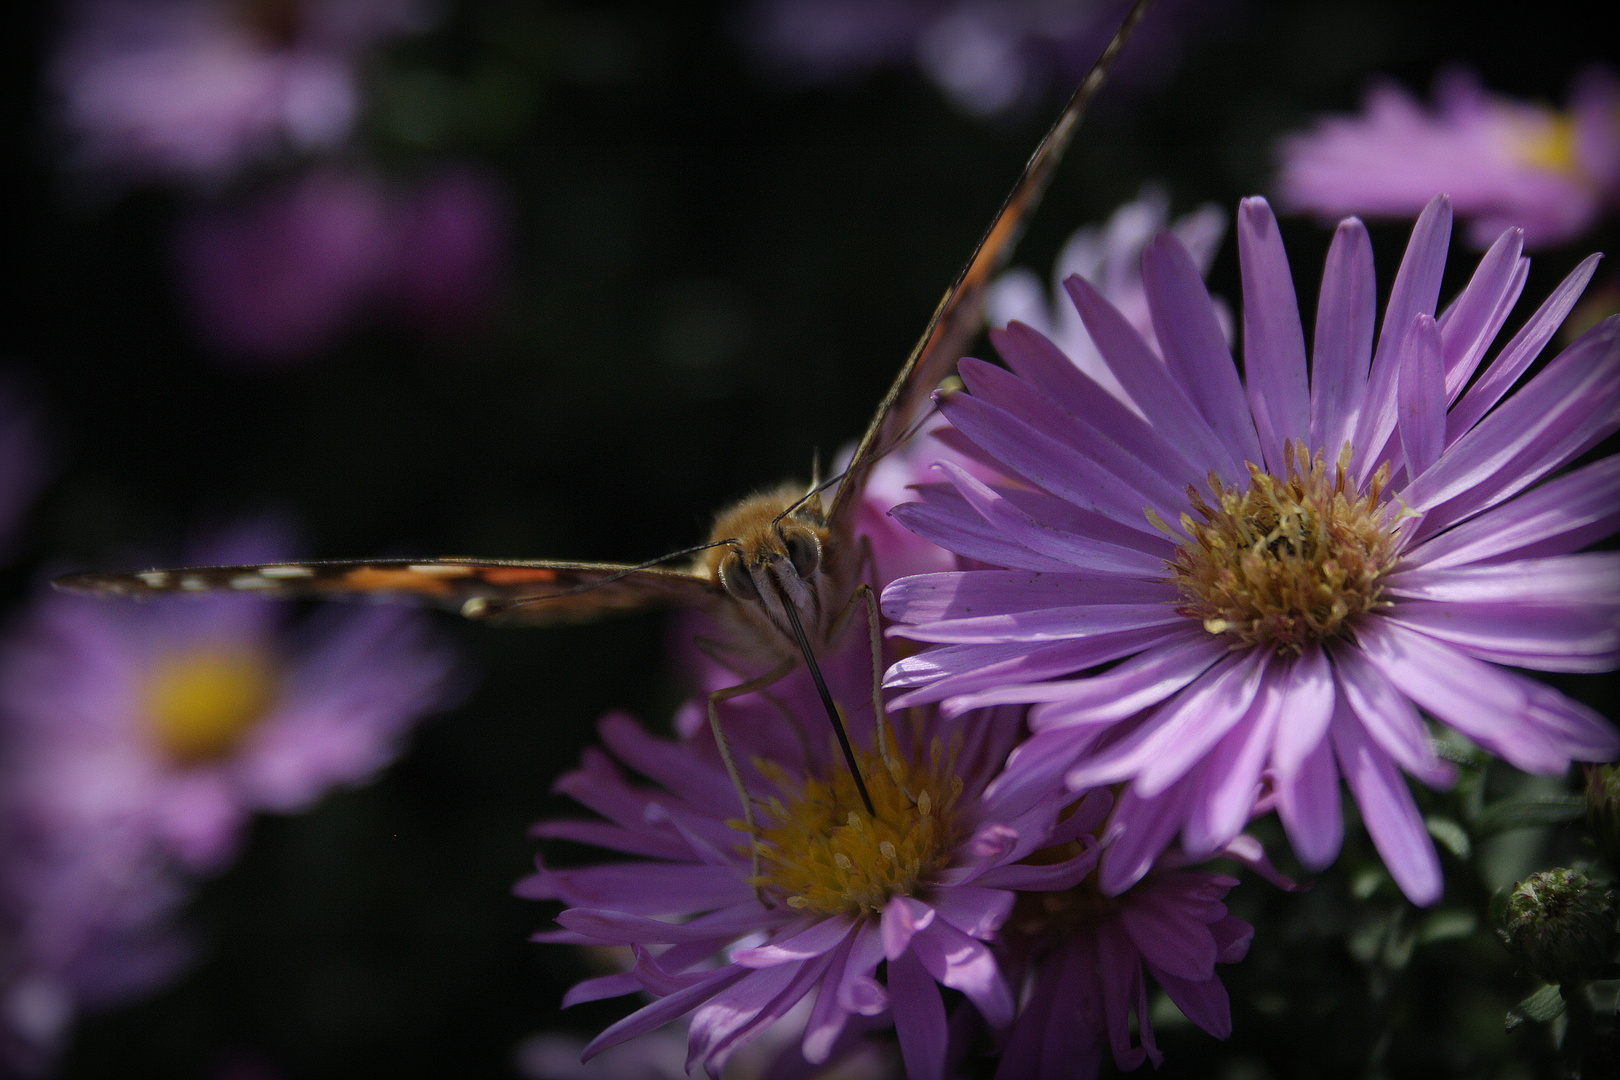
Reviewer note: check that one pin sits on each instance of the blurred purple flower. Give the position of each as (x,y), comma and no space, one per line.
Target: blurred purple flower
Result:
(134,743)
(196,89)
(275,279)
(1084,956)
(1110,258)
(988,57)
(1503,162)
(1281,572)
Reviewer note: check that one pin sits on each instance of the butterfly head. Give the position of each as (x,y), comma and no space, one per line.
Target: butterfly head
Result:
(772,551)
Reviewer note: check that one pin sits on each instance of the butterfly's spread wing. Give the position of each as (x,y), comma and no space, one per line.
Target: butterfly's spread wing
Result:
(533,592)
(957,317)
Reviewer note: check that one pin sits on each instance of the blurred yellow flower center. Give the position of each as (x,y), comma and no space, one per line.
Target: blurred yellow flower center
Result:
(819,849)
(1550,145)
(1286,562)
(200,703)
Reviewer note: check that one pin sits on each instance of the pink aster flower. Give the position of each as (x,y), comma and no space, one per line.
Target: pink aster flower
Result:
(1084,958)
(1282,570)
(840,890)
(196,89)
(1504,162)
(278,277)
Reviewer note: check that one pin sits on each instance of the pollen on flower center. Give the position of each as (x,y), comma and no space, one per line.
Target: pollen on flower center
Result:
(820,850)
(199,703)
(1286,562)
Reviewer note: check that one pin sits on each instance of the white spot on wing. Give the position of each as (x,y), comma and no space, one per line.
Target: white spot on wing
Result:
(251,581)
(439,569)
(280,572)
(192,583)
(155,578)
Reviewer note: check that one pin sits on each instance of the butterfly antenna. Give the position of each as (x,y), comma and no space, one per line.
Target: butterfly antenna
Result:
(832,709)
(900,441)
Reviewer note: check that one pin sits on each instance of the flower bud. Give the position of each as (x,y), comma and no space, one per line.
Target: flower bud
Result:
(1603,811)
(1560,925)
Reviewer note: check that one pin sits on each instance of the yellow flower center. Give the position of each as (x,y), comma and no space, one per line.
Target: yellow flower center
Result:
(1286,563)
(201,702)
(1549,144)
(819,849)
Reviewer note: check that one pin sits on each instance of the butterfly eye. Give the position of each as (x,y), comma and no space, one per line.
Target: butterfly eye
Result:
(803,551)
(736,579)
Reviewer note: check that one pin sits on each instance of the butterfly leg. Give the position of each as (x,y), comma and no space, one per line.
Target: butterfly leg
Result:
(864,594)
(759,682)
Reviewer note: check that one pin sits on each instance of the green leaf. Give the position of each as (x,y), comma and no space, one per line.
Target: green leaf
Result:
(1450,834)
(1529,813)
(1443,925)
(1543,1005)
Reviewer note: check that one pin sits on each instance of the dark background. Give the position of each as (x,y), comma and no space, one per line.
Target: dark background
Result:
(714,277)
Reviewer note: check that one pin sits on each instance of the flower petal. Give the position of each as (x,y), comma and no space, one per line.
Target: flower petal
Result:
(1273,341)
(1560,516)
(902,918)
(1308,683)
(1416,291)
(965,964)
(1179,732)
(1342,350)
(1391,816)
(817,939)
(1477,699)
(1421,388)
(1471,322)
(1308,804)
(1516,356)
(1161,397)
(1562,412)
(662,1011)
(1231,772)
(1194,347)
(919,1018)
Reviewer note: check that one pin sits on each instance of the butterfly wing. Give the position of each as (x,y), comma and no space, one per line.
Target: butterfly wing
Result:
(957,317)
(528,591)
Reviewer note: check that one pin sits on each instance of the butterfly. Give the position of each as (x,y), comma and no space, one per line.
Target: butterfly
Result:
(780,572)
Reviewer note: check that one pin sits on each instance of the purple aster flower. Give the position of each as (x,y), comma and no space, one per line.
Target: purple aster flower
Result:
(275,279)
(184,716)
(839,890)
(1282,570)
(196,89)
(1504,162)
(134,742)
(987,57)
(1110,258)
(1083,958)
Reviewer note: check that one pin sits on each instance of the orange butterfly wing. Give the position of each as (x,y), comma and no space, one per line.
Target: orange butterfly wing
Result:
(955,320)
(529,591)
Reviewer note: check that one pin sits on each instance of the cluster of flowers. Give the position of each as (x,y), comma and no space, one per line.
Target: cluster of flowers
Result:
(135,744)
(289,239)
(1161,598)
